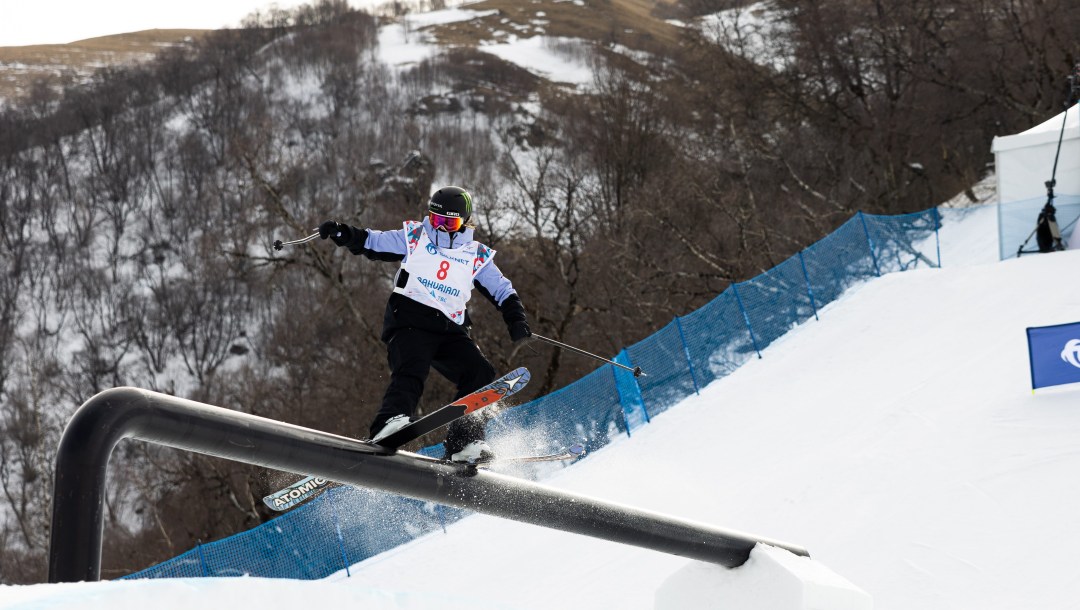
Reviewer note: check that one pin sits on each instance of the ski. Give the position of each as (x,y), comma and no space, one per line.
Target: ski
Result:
(571,453)
(304,489)
(507,385)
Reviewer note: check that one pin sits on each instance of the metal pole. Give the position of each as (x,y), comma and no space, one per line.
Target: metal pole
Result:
(869,243)
(635,370)
(105,419)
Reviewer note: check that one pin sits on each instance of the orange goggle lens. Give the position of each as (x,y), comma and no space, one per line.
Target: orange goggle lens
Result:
(449,224)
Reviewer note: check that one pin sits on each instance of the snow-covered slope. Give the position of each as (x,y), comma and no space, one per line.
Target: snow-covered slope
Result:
(897,439)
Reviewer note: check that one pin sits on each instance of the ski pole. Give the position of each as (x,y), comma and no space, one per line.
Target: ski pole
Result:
(278,244)
(636,370)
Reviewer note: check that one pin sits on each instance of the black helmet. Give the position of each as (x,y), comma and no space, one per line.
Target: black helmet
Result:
(451,201)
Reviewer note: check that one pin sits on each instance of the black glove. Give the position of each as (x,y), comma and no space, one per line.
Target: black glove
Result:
(339,232)
(519,332)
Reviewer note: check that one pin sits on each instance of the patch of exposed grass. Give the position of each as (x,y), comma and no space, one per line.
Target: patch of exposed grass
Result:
(60,64)
(631,23)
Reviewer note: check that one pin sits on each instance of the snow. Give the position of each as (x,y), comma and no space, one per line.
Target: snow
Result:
(223,593)
(540,55)
(556,58)
(765,581)
(407,43)
(450,15)
(977,244)
(897,439)
(757,32)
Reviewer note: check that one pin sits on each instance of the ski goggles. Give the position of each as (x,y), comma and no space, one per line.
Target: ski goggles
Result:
(450,224)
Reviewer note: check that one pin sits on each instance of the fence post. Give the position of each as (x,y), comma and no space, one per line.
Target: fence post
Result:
(809,289)
(937,235)
(337,529)
(686,350)
(202,559)
(628,390)
(746,318)
(439,510)
(870,243)
(622,404)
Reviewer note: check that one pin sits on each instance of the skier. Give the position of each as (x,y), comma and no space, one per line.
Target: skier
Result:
(426,324)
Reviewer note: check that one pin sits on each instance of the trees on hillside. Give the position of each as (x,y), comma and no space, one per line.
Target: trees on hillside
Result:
(885,106)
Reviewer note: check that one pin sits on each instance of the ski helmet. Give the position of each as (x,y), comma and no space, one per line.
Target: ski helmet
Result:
(450,208)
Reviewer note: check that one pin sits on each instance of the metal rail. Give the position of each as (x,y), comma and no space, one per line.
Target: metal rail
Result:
(113,415)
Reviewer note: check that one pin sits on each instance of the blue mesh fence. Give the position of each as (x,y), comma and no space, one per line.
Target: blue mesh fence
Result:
(717,338)
(668,377)
(346,525)
(775,301)
(587,410)
(839,261)
(899,241)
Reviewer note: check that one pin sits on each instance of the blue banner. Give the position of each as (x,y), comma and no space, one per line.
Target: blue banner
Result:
(1055,354)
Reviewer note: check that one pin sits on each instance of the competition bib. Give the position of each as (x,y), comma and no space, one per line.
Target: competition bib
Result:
(441,277)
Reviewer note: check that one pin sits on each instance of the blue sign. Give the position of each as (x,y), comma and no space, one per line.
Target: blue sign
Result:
(1055,354)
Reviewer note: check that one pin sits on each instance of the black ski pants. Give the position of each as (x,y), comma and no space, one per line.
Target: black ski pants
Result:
(412,353)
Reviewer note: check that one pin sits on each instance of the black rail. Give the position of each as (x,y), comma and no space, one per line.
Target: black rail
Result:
(99,424)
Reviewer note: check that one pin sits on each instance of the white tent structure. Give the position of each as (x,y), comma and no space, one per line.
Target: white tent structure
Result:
(1025,162)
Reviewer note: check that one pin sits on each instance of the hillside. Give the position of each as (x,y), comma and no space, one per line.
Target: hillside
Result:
(628,163)
(76,62)
(638,22)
